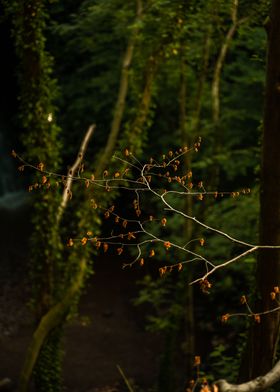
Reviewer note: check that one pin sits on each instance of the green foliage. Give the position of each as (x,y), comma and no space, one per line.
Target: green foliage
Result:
(165,312)
(38,92)
(224,366)
(89,45)
(88,40)
(38,89)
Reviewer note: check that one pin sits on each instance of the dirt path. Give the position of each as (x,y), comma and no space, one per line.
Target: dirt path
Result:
(109,332)
(114,336)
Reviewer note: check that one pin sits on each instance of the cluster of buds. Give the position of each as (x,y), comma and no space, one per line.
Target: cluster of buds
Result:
(275,293)
(205,286)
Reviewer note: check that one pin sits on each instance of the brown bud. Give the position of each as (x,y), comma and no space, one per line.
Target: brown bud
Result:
(70,242)
(225,318)
(119,251)
(163,221)
(84,240)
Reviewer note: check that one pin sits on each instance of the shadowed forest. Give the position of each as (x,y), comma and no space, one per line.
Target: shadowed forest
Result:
(140,196)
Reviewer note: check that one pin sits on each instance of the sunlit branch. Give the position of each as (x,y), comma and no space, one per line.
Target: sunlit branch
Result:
(258,384)
(73,169)
(274,295)
(226,263)
(139,178)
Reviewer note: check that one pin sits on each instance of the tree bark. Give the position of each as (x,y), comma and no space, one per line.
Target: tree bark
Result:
(263,337)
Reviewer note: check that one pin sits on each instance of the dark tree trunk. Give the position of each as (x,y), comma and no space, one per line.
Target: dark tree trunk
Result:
(262,344)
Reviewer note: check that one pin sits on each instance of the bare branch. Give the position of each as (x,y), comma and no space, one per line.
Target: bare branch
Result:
(142,181)
(219,266)
(72,171)
(258,384)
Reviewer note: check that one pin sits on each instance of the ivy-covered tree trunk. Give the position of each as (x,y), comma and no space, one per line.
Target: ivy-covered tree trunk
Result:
(40,138)
(263,340)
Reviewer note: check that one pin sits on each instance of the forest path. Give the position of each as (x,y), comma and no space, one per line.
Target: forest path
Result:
(109,331)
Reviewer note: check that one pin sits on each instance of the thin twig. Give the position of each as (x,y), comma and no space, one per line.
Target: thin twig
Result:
(127,383)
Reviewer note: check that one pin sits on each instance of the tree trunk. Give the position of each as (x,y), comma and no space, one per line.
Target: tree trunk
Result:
(215,169)
(189,322)
(263,337)
(53,319)
(121,100)
(137,126)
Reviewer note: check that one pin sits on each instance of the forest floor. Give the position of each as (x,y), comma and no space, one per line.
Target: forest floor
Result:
(109,331)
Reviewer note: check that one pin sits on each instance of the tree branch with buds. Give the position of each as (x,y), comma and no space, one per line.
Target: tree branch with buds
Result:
(160,179)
